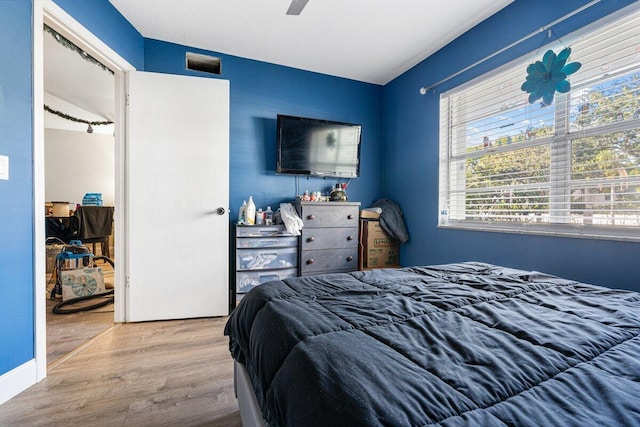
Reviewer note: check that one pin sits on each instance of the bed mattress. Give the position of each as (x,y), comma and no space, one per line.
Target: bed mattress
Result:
(457,344)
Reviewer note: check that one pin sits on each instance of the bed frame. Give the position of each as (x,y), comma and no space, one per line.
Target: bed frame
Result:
(250,412)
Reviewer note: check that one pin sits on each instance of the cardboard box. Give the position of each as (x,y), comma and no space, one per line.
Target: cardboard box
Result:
(369,214)
(60,208)
(377,248)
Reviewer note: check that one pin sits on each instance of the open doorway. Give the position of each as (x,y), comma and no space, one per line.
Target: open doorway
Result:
(79,160)
(148,292)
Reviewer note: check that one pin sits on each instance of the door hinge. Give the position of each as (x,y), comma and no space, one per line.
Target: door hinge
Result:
(127,281)
(126,99)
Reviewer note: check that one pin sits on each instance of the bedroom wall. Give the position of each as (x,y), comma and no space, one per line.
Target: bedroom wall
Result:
(16,193)
(258,92)
(411,156)
(106,23)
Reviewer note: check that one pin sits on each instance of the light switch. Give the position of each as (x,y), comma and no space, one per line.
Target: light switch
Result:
(4,167)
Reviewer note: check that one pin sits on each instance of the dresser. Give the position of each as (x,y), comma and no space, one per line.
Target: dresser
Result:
(329,240)
(262,254)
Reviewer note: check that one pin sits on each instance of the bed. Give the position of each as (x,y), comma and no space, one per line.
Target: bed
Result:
(468,344)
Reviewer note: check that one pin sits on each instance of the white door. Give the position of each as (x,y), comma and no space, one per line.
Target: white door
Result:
(177,196)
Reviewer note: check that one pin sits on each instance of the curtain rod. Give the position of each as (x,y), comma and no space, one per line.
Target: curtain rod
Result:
(425,89)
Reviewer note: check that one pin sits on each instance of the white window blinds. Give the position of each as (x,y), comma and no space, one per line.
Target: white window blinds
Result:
(572,167)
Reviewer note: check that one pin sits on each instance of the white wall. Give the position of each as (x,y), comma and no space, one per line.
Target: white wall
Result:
(77,163)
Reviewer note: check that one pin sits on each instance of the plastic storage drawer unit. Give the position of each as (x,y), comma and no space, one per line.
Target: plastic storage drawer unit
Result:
(262,254)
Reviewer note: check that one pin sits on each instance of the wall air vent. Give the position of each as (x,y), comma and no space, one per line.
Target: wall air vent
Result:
(204,63)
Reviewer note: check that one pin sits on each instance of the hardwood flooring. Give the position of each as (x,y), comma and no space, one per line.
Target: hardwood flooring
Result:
(170,373)
(67,332)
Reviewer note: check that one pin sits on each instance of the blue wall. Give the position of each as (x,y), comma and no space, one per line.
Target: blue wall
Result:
(411,156)
(17,330)
(399,147)
(105,22)
(16,194)
(259,91)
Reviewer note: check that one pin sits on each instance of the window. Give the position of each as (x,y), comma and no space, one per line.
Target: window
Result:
(569,168)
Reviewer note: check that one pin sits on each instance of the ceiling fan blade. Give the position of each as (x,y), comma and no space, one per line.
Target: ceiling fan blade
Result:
(296,6)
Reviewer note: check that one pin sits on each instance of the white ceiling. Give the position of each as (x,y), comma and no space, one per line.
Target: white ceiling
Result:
(371,41)
(75,87)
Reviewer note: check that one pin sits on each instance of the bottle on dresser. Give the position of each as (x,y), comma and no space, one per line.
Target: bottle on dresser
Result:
(268,216)
(250,212)
(260,217)
(242,213)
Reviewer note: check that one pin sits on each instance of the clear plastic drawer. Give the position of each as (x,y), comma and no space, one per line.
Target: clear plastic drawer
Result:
(247,280)
(261,231)
(266,242)
(261,259)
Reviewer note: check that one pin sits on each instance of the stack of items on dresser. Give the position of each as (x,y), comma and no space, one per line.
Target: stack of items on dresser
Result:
(248,215)
(265,248)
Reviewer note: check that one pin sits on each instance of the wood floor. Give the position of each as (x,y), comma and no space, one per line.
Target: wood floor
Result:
(67,332)
(171,373)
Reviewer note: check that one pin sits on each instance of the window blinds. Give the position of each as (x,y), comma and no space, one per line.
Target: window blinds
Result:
(564,168)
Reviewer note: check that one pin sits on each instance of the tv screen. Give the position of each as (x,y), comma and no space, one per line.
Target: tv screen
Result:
(318,147)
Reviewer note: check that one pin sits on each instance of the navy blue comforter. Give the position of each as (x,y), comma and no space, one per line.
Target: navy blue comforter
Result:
(459,344)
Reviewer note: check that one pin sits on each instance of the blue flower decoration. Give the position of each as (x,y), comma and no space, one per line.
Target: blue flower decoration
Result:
(546,77)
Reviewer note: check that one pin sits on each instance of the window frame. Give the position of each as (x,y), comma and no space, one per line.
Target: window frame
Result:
(452,210)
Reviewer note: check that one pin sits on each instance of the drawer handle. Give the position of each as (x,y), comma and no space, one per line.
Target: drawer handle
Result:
(310,261)
(349,258)
(349,237)
(350,216)
(311,239)
(311,216)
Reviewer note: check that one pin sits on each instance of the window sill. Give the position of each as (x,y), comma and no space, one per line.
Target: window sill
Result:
(625,234)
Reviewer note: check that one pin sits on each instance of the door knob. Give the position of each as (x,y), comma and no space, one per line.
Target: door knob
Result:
(220,211)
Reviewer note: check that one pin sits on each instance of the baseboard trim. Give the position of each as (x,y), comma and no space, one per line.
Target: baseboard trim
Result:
(17,380)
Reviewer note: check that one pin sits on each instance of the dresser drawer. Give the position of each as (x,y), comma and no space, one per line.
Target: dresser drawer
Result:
(318,238)
(329,215)
(266,242)
(247,280)
(268,258)
(328,260)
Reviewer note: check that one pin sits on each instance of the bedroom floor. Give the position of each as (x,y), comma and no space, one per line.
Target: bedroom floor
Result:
(175,372)
(66,333)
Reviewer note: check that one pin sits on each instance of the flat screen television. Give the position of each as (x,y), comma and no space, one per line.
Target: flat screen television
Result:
(318,147)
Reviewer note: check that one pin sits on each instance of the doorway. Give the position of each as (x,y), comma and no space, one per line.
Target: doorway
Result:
(203,221)
(79,159)
(47,12)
